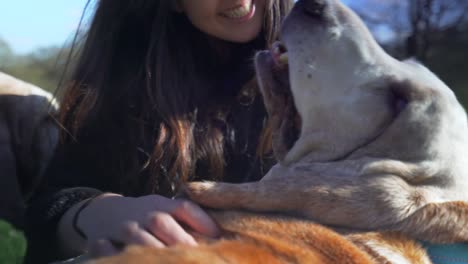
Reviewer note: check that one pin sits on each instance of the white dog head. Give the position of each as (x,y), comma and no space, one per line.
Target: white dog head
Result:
(346,90)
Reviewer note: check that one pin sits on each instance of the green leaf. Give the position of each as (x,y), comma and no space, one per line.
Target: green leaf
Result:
(12,244)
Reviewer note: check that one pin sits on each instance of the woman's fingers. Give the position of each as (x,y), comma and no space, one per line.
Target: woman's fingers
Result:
(101,248)
(132,233)
(128,223)
(195,217)
(165,227)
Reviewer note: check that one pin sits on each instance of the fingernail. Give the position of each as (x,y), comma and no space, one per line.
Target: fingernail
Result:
(191,242)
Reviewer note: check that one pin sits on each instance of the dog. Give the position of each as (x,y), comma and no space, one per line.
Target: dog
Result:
(367,145)
(28,136)
(381,144)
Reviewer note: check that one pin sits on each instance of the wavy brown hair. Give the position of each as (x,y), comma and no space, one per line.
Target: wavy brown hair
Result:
(147,77)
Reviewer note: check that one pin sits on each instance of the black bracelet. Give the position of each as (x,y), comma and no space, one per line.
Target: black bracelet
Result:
(75,226)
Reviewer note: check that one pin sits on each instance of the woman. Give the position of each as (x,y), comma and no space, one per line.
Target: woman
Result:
(163,93)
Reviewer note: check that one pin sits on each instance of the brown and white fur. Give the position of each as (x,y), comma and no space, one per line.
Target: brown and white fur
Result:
(381,154)
(383,144)
(28,136)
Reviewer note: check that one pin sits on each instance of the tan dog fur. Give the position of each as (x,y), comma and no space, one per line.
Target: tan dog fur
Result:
(255,238)
(28,137)
(251,238)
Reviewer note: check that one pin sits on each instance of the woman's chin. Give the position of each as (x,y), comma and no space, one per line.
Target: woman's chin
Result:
(244,36)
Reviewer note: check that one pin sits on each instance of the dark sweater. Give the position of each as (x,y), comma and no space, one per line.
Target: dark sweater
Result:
(76,173)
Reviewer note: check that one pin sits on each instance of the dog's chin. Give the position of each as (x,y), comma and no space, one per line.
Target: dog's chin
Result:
(278,99)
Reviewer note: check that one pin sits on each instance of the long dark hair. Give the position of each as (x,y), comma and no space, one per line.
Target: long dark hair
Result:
(147,77)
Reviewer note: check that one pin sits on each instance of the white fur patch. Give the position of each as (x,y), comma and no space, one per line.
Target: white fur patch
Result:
(391,254)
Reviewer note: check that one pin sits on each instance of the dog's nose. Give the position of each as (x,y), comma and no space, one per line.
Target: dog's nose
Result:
(313,7)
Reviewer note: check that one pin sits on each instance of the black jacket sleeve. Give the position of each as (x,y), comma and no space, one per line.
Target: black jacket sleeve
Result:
(71,177)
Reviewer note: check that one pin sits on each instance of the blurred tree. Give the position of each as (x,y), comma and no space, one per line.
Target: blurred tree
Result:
(43,67)
(413,22)
(6,53)
(430,16)
(432,31)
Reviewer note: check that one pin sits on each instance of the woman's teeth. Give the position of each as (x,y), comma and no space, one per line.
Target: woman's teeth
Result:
(240,11)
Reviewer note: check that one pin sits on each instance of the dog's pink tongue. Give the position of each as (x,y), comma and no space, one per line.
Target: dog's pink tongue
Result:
(279,54)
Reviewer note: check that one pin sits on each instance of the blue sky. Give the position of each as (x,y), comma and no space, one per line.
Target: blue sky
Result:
(29,24)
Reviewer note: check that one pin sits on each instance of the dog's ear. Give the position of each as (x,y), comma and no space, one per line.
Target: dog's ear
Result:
(403,92)
(416,114)
(408,90)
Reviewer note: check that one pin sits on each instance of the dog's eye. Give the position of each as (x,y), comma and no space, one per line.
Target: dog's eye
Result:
(314,7)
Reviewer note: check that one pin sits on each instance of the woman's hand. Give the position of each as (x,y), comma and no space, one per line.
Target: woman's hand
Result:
(149,220)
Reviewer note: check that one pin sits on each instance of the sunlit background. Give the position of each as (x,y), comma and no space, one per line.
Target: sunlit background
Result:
(34,33)
(31,24)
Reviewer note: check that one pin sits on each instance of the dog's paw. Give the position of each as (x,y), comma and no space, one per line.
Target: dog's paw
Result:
(201,192)
(212,194)
(195,190)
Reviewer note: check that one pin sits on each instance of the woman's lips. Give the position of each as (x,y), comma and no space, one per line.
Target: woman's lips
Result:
(240,12)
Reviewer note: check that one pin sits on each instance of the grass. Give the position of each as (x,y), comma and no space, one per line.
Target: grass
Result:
(12,244)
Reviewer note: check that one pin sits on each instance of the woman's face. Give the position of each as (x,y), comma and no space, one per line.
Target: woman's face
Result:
(232,20)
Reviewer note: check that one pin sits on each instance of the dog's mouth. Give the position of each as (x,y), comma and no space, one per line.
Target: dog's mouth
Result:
(285,122)
(280,55)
